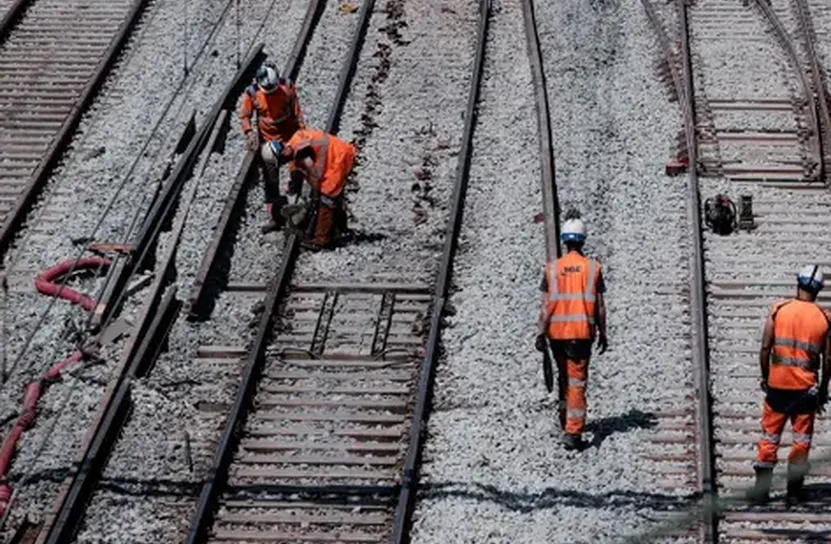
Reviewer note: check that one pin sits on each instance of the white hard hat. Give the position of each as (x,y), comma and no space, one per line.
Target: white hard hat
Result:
(810,278)
(268,78)
(573,231)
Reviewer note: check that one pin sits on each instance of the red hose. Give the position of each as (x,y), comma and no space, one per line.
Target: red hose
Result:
(45,280)
(45,284)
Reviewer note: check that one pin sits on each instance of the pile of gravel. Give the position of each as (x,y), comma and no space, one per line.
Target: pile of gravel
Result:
(494,468)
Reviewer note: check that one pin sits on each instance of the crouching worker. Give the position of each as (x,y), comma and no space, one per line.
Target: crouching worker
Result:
(325,161)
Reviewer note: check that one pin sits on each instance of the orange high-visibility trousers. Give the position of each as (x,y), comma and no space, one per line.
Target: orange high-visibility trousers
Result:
(773,423)
(578,373)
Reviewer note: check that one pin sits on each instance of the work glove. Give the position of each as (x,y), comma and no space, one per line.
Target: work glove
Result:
(251,143)
(602,343)
(763,385)
(539,343)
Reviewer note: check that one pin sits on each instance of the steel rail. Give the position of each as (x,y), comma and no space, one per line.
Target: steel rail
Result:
(50,159)
(701,351)
(156,319)
(165,204)
(804,14)
(790,48)
(550,202)
(409,472)
(669,54)
(198,302)
(13,14)
(277,286)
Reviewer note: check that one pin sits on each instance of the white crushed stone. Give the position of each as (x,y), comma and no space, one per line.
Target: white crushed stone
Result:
(494,468)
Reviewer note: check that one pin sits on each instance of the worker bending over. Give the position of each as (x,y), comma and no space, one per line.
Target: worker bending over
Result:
(325,161)
(572,314)
(274,99)
(794,339)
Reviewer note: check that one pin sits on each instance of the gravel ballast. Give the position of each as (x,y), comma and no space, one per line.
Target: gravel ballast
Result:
(110,137)
(183,387)
(494,468)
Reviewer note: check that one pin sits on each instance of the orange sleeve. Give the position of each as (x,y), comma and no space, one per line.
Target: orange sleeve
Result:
(246,111)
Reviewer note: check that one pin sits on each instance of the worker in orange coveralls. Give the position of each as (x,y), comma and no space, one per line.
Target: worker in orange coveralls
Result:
(572,314)
(794,339)
(324,161)
(274,99)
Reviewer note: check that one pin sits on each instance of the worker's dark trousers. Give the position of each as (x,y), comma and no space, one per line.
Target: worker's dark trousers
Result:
(572,358)
(271,182)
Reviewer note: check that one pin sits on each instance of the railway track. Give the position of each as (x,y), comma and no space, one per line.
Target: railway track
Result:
(51,73)
(323,440)
(766,143)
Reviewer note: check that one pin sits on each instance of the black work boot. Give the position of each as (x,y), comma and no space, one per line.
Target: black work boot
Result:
(574,442)
(796,483)
(759,494)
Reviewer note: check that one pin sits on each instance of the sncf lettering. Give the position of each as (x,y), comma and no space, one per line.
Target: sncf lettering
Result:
(571,269)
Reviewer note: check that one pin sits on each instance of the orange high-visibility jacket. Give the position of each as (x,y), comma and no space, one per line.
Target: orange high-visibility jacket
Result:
(278,113)
(799,330)
(333,158)
(572,294)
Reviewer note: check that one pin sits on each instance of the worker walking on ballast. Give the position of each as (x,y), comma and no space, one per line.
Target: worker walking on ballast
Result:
(324,160)
(795,338)
(572,314)
(274,100)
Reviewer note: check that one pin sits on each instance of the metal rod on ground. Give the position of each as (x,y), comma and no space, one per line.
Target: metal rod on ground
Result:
(5,313)
(185,40)
(238,32)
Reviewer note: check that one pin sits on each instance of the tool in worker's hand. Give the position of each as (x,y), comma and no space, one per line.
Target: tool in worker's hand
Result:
(548,367)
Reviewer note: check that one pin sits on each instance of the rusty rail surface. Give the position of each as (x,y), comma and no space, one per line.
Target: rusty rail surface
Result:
(210,493)
(296,464)
(550,203)
(727,390)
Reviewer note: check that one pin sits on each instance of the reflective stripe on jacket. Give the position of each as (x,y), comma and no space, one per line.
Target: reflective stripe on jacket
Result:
(799,330)
(333,158)
(572,294)
(278,113)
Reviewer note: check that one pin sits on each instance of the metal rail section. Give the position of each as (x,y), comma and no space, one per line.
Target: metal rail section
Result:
(59,143)
(409,479)
(165,204)
(12,16)
(157,317)
(198,305)
(790,48)
(701,351)
(804,14)
(550,203)
(277,287)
